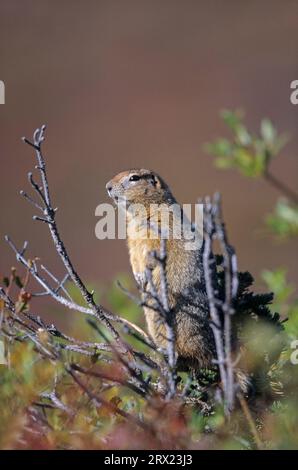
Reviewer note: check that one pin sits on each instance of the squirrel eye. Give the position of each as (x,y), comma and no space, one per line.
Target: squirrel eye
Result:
(134,178)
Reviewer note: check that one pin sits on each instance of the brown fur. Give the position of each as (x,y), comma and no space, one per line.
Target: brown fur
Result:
(187,299)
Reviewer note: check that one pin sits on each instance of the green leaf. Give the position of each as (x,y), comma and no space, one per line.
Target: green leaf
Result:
(232,118)
(248,153)
(243,136)
(284,220)
(221,147)
(223,162)
(268,132)
(277,282)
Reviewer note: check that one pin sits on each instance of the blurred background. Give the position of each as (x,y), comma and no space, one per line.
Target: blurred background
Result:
(140,83)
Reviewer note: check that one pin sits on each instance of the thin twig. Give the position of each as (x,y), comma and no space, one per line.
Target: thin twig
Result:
(280,186)
(248,416)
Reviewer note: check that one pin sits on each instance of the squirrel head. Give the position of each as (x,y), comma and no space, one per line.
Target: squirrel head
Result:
(139,186)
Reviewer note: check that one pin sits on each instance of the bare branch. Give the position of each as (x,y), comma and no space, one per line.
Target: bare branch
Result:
(44,194)
(214,229)
(161,259)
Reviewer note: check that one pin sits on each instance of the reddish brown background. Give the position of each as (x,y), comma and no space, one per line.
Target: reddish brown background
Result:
(140,83)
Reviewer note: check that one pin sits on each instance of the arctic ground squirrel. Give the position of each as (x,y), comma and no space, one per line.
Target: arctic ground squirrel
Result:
(194,341)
